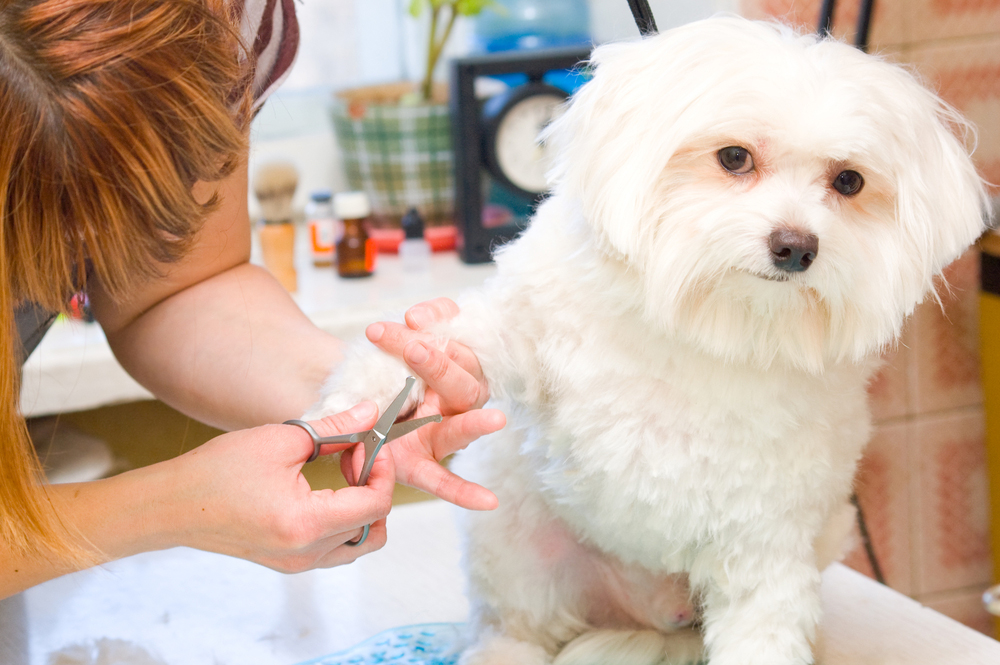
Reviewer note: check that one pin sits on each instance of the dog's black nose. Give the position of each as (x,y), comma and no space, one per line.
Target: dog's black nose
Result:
(793,251)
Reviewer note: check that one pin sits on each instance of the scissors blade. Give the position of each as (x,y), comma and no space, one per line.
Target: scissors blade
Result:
(404,428)
(377,435)
(388,416)
(343,438)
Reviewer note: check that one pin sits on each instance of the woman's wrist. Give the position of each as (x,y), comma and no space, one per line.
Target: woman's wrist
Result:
(123,515)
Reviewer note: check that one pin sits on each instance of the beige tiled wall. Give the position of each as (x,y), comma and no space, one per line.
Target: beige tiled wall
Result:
(922,483)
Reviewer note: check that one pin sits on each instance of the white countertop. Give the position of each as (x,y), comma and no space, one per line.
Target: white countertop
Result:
(73,368)
(194,608)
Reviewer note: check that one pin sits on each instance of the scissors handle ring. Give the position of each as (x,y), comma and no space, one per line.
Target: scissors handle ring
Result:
(317,442)
(316,438)
(363,538)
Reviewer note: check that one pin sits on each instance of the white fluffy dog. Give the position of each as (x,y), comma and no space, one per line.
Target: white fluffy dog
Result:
(741,219)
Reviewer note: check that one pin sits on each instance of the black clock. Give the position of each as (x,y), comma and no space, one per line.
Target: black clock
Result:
(512,122)
(499,163)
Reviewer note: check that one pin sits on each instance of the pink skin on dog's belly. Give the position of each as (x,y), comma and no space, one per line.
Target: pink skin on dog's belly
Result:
(614,594)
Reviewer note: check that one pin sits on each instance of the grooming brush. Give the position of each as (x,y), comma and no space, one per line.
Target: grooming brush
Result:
(274,185)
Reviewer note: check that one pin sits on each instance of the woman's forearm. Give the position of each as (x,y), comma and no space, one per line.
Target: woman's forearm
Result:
(109,519)
(232,351)
(241,494)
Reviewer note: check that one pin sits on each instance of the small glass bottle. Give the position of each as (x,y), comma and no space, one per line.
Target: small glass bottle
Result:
(414,251)
(355,251)
(323,228)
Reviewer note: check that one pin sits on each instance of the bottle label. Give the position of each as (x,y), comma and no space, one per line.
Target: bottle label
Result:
(322,233)
(370,251)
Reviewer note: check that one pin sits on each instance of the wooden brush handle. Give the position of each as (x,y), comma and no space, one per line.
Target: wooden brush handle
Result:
(278,244)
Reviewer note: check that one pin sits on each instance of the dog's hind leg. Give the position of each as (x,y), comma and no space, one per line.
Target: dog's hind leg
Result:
(520,615)
(507,636)
(526,572)
(493,649)
(633,647)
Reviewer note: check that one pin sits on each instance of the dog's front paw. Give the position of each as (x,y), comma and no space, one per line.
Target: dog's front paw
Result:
(365,374)
(763,651)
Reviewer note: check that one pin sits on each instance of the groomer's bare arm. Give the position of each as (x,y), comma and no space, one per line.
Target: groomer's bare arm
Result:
(240,494)
(218,338)
(222,341)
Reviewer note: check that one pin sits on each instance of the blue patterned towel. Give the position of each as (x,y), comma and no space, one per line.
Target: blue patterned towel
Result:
(423,644)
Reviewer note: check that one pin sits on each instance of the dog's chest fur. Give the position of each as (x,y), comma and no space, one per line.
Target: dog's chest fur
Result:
(644,446)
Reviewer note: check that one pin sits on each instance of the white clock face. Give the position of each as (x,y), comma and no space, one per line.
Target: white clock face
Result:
(519,154)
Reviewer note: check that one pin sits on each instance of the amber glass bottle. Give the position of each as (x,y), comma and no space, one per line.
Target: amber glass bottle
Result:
(355,251)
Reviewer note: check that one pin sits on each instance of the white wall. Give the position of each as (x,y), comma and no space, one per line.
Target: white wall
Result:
(611,20)
(356,42)
(346,43)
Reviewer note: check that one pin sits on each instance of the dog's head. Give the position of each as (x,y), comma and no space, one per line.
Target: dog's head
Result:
(782,197)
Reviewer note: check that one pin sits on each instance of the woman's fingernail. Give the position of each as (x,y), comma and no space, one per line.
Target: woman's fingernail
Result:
(417,353)
(363,410)
(375,332)
(420,317)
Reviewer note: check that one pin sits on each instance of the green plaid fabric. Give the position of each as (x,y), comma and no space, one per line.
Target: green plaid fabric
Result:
(401,157)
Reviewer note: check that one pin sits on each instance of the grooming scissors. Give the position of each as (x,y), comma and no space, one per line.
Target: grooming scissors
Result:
(386,429)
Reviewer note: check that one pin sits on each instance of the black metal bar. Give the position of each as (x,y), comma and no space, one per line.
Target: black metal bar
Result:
(864,24)
(989,274)
(867,541)
(643,16)
(861,42)
(826,17)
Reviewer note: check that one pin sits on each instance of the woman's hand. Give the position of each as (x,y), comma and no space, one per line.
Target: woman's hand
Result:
(456,389)
(243,494)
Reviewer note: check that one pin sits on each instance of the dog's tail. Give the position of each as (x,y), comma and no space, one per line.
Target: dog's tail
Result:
(633,647)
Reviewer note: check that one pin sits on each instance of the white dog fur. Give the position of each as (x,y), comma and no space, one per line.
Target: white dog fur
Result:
(682,413)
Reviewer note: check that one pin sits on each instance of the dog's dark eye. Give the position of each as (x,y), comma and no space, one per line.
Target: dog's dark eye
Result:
(736,159)
(848,183)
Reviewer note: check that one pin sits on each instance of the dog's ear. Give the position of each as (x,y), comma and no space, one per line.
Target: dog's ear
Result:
(942,203)
(604,155)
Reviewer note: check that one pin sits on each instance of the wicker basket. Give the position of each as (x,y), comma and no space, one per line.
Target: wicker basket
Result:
(399,154)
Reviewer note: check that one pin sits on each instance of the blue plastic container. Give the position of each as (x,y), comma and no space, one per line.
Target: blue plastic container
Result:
(533,24)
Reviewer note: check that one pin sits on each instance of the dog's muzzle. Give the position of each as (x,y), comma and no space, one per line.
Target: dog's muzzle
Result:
(793,251)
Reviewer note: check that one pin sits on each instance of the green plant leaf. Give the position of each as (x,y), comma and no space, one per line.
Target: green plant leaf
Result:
(416,6)
(472,7)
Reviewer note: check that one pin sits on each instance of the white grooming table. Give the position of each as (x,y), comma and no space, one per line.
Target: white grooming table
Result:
(194,608)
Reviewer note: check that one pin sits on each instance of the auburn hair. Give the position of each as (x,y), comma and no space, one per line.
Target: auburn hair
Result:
(110,111)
